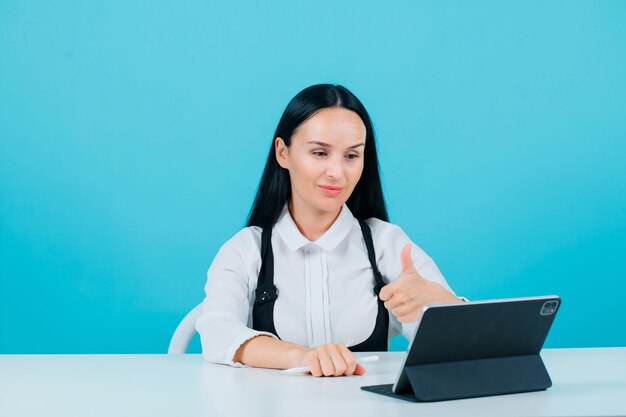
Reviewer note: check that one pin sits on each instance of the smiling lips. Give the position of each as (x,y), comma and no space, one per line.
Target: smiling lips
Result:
(330,190)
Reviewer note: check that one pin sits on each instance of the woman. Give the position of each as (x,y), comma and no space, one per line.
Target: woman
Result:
(313,276)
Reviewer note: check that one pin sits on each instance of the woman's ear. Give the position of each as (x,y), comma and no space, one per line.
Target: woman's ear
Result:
(282,152)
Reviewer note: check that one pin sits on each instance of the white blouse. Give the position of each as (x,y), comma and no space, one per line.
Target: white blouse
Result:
(325,287)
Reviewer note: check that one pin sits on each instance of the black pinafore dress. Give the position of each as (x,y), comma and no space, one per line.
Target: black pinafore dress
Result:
(266,294)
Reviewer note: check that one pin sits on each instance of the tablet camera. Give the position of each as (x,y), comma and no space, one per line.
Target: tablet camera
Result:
(549,308)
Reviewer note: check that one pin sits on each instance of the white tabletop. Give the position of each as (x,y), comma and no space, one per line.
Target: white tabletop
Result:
(586,382)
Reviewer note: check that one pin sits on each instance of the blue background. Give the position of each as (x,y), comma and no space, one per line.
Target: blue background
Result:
(133,135)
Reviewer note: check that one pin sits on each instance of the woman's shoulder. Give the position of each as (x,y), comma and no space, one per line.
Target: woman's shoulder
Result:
(245,241)
(389,241)
(384,230)
(389,237)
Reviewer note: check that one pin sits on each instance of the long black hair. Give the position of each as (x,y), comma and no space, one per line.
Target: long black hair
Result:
(274,189)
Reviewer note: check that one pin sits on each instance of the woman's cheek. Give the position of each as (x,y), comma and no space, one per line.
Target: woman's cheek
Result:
(355,174)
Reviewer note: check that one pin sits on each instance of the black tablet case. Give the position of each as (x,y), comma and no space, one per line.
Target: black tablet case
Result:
(474,350)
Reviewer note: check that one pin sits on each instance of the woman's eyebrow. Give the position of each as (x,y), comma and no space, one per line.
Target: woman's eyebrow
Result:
(328,145)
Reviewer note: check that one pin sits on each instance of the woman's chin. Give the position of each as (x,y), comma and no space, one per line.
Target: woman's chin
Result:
(330,206)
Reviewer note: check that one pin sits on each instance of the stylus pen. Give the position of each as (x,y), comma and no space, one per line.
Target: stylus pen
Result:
(302,369)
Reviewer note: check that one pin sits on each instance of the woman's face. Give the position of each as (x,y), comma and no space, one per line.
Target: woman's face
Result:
(324,160)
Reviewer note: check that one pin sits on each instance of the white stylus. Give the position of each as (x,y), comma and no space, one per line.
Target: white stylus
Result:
(302,369)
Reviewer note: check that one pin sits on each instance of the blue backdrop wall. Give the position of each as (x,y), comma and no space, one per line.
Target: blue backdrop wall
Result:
(133,135)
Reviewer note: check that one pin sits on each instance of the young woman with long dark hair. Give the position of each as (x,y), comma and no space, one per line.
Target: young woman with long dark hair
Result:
(318,273)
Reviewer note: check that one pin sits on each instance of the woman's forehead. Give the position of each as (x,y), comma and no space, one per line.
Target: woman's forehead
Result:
(334,126)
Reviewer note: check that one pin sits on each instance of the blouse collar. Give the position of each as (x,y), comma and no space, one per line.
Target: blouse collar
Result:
(288,231)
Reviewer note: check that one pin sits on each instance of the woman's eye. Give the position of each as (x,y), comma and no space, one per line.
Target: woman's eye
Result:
(319,153)
(352,156)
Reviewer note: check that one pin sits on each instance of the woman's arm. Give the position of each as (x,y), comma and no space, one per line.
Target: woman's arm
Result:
(414,279)
(267,352)
(223,323)
(326,360)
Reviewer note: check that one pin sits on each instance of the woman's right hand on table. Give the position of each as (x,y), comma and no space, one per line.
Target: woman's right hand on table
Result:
(333,359)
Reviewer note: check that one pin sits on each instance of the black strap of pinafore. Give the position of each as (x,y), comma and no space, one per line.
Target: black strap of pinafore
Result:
(266,292)
(377,341)
(371,255)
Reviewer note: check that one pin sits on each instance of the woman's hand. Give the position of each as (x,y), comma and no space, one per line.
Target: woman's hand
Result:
(406,296)
(333,359)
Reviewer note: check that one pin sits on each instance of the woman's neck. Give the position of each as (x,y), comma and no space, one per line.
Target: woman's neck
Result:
(311,223)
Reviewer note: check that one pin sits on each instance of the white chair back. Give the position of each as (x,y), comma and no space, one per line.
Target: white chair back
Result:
(185,331)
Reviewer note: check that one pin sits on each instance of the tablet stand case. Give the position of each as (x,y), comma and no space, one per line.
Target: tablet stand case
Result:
(471,378)
(487,348)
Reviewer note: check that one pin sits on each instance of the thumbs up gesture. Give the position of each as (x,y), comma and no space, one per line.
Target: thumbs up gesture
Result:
(406,296)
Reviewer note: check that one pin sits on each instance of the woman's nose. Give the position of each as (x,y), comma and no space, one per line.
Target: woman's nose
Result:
(334,168)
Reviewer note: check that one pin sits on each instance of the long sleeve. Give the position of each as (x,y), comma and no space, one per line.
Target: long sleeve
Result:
(223,325)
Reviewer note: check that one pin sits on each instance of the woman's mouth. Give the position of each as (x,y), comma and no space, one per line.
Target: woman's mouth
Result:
(330,190)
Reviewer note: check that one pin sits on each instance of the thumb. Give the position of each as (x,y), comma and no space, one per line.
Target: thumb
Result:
(407,262)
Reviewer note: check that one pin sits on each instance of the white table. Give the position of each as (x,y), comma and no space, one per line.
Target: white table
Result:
(586,382)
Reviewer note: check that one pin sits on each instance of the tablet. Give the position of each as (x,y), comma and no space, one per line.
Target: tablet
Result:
(475,349)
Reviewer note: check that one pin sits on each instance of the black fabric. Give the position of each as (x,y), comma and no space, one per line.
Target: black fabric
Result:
(377,342)
(267,293)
